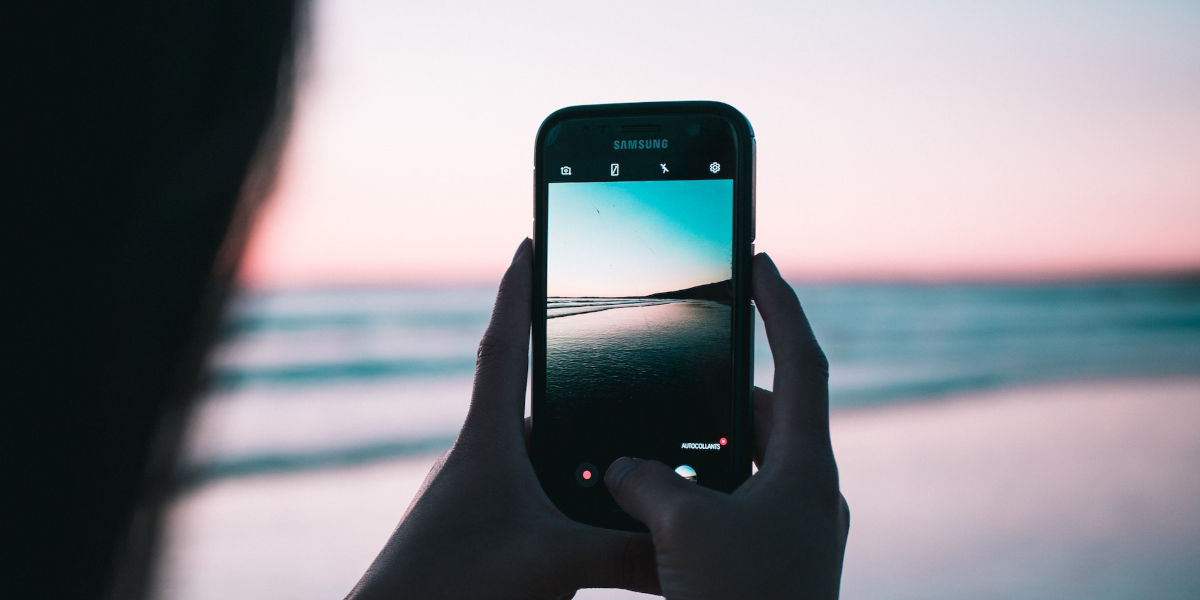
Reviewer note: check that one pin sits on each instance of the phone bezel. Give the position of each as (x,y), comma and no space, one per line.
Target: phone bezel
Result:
(741,452)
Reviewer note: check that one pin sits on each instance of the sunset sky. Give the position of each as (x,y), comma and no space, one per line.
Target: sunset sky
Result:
(636,238)
(895,140)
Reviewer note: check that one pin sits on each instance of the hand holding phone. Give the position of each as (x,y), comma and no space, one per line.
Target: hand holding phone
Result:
(492,516)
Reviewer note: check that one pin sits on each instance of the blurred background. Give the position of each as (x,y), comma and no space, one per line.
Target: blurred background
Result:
(989,211)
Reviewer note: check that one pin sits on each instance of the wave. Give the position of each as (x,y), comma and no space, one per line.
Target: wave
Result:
(256,323)
(554,301)
(325,458)
(329,372)
(581,308)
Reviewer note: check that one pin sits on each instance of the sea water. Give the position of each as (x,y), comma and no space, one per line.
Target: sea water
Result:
(323,378)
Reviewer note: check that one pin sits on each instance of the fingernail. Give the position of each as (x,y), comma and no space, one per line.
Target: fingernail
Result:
(523,249)
(619,469)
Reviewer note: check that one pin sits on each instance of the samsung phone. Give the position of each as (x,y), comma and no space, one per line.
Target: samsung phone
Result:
(642,321)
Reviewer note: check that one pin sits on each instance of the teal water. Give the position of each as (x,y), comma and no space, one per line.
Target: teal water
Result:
(319,378)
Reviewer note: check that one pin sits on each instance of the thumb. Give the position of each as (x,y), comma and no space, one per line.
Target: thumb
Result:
(647,489)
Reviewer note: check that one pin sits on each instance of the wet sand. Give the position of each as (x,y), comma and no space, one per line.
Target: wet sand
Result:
(1062,491)
(1076,490)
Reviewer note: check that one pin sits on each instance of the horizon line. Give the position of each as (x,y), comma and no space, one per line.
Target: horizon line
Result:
(999,279)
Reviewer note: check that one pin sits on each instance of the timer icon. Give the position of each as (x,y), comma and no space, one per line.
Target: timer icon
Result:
(715,167)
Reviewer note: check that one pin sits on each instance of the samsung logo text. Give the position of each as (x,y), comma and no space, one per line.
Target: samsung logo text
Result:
(658,144)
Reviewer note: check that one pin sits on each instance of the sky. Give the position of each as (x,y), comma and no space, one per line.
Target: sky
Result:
(635,238)
(929,140)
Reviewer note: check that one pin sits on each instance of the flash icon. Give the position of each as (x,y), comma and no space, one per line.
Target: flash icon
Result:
(614,169)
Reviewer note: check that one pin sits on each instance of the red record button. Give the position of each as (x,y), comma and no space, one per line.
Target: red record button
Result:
(586,475)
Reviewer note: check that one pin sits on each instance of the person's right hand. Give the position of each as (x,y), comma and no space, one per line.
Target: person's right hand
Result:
(782,534)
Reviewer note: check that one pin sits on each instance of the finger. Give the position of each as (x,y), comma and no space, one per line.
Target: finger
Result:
(498,399)
(764,405)
(606,558)
(801,390)
(648,490)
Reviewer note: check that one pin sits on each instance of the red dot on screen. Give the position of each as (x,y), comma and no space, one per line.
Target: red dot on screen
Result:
(586,475)
(723,441)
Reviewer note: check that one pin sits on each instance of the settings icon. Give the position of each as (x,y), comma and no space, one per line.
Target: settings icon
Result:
(714,167)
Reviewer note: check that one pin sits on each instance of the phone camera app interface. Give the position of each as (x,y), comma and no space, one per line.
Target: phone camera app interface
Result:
(638,323)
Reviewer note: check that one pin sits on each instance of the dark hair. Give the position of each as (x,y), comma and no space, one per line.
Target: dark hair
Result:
(143,139)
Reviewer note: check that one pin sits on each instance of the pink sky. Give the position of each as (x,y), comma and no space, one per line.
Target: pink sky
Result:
(945,141)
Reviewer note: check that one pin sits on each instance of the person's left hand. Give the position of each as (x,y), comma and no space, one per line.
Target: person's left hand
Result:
(481,526)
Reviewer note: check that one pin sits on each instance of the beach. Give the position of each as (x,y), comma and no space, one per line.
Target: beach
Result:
(632,379)
(1082,489)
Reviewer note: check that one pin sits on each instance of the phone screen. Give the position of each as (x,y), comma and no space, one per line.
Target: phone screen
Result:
(639,319)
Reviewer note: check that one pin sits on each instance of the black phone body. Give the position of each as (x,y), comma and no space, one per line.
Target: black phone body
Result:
(642,319)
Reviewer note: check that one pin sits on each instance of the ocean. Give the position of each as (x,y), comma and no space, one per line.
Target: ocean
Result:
(326,378)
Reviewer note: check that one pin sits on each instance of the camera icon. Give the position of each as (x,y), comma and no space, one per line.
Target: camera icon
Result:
(565,170)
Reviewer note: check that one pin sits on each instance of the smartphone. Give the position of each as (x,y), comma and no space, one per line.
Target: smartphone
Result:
(642,319)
